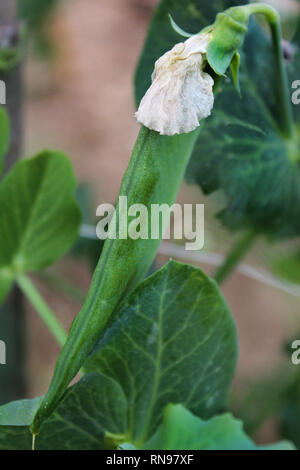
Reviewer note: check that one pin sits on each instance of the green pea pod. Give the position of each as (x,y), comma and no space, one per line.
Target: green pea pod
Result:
(153,176)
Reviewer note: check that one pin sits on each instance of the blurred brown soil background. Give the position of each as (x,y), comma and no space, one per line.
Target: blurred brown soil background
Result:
(83,104)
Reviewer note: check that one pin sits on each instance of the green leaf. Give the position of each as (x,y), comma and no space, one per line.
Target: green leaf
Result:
(241,150)
(39,215)
(15,438)
(191,15)
(90,413)
(18,413)
(174,340)
(4,134)
(15,418)
(180,429)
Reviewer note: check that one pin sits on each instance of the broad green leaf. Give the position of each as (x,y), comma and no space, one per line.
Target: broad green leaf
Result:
(15,438)
(4,134)
(241,150)
(39,215)
(91,412)
(18,413)
(174,340)
(180,429)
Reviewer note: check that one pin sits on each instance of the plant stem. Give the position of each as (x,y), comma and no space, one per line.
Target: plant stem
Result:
(42,308)
(234,257)
(284,100)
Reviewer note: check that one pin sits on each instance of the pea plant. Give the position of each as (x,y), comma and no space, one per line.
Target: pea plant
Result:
(157,354)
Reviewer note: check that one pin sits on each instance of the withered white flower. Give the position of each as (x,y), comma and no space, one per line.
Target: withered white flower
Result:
(181,93)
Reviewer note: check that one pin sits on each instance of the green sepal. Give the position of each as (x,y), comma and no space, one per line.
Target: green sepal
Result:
(235,70)
(228,34)
(179,30)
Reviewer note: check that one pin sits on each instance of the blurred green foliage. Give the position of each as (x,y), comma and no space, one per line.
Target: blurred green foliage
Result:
(276,396)
(35,14)
(287,266)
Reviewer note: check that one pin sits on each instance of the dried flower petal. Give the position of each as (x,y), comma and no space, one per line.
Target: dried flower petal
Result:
(181,94)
